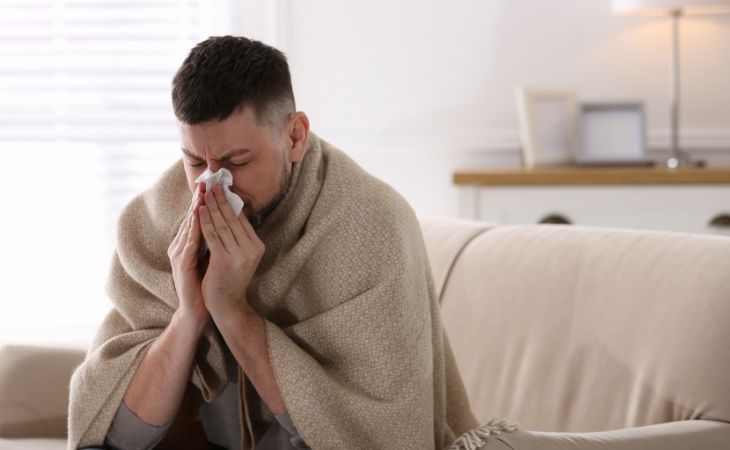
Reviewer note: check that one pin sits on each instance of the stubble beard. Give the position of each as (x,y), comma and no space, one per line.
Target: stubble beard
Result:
(257,217)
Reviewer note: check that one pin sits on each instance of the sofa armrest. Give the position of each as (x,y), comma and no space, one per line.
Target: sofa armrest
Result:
(34,389)
(682,435)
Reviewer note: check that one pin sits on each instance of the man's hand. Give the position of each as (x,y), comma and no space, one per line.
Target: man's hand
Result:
(235,253)
(183,254)
(158,386)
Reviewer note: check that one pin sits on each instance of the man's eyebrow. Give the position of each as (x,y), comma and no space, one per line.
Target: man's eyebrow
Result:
(190,154)
(236,152)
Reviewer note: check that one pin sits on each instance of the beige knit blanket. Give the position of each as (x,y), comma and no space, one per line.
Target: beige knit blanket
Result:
(352,317)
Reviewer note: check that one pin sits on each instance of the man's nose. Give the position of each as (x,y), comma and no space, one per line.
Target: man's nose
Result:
(213,165)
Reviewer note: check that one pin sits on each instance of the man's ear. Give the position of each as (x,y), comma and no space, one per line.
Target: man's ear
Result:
(298,130)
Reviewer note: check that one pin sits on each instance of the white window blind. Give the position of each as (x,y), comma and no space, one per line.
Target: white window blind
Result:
(86,122)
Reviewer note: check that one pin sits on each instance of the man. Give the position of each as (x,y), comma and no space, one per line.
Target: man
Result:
(312,322)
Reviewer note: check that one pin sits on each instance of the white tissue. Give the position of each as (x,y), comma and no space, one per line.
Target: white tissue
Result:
(225,178)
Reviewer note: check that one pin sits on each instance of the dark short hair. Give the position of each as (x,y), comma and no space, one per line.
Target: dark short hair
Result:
(224,74)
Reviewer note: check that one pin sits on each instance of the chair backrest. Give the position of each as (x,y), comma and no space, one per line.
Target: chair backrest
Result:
(586,329)
(34,387)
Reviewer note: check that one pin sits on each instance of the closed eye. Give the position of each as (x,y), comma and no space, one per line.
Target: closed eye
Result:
(194,162)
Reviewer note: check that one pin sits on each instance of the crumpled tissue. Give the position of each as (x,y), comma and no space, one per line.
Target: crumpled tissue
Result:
(223,177)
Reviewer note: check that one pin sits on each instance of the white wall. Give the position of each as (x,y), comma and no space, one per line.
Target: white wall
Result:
(413,89)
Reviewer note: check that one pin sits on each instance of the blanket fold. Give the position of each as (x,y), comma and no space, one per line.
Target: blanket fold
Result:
(352,317)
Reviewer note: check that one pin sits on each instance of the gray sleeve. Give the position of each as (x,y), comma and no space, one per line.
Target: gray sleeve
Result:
(286,423)
(128,431)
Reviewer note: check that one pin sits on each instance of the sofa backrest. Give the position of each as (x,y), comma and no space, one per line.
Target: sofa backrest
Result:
(445,239)
(34,387)
(585,329)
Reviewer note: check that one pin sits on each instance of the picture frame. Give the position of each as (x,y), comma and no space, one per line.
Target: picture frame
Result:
(548,125)
(612,133)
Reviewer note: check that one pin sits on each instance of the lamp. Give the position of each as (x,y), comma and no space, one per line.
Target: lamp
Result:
(676,9)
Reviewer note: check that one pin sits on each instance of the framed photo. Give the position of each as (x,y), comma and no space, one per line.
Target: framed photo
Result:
(548,121)
(612,133)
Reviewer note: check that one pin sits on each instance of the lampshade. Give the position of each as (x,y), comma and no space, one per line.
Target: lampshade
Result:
(657,7)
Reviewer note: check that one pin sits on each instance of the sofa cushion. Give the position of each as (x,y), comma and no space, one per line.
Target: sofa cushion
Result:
(33,444)
(34,390)
(684,435)
(563,328)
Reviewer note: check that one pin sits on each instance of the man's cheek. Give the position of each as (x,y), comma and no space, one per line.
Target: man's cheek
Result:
(191,174)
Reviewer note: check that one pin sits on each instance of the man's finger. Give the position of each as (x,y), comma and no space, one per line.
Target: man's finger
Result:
(247,227)
(186,219)
(192,244)
(181,236)
(219,222)
(230,217)
(194,227)
(209,232)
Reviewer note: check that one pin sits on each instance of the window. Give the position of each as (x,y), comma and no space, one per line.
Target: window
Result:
(86,122)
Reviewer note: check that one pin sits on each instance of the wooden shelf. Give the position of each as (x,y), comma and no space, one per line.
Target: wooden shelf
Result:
(591,176)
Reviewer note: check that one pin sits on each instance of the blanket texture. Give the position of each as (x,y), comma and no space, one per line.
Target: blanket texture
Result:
(352,316)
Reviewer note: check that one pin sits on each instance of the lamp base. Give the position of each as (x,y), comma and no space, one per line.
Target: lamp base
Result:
(681,160)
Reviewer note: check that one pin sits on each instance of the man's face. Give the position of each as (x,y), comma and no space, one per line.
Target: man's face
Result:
(255,154)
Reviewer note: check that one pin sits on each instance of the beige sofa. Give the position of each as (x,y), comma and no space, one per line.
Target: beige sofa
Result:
(600,339)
